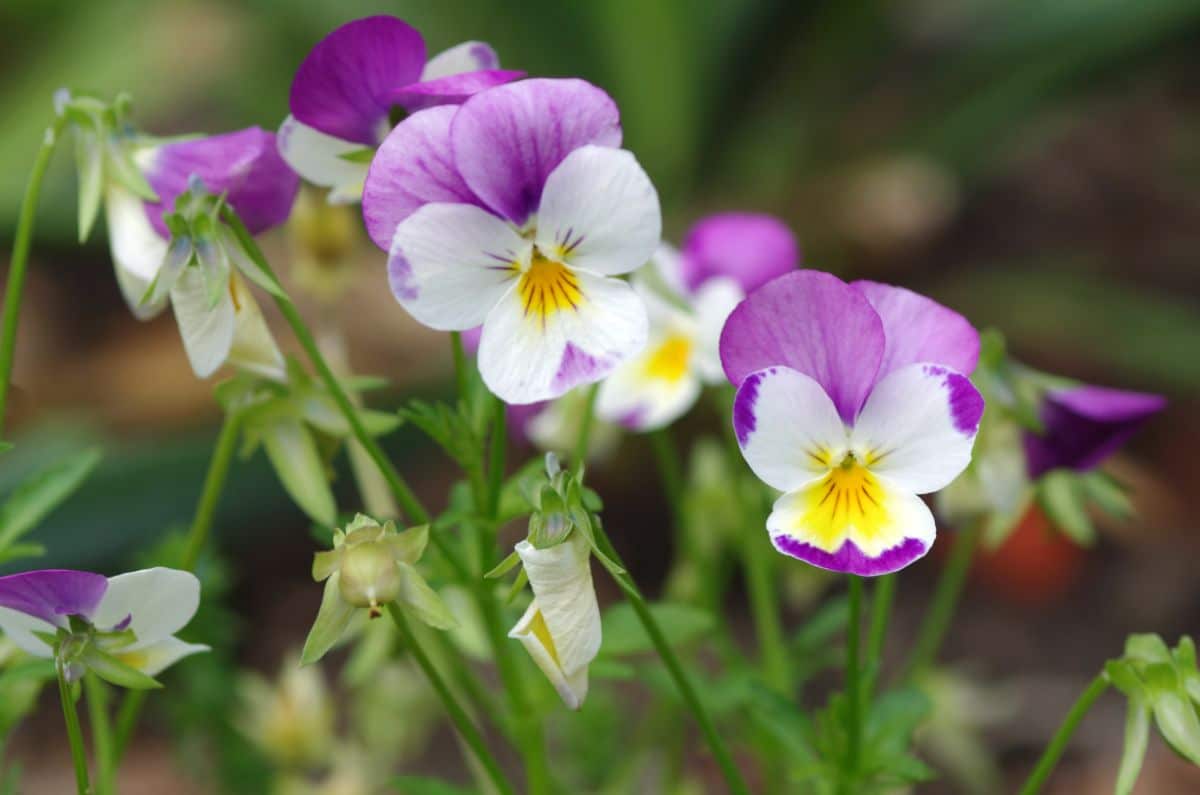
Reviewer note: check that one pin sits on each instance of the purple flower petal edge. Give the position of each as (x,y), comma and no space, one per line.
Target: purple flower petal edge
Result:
(452,89)
(745,422)
(750,248)
(51,594)
(849,559)
(965,401)
(919,329)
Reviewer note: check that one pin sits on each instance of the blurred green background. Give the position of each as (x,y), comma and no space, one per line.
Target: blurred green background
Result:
(1034,164)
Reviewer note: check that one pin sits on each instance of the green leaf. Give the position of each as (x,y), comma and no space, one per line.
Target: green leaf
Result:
(1062,498)
(681,624)
(1137,735)
(41,493)
(21,551)
(293,454)
(421,785)
(782,720)
(110,669)
(1107,493)
(333,618)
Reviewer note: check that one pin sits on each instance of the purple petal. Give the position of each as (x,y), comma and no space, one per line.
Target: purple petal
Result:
(508,140)
(919,329)
(413,167)
(344,87)
(51,594)
(577,366)
(751,248)
(1086,424)
(850,559)
(811,322)
(451,89)
(245,165)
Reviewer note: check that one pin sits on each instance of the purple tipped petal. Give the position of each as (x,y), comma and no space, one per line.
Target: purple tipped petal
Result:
(850,559)
(451,89)
(52,594)
(811,322)
(508,140)
(751,248)
(919,329)
(413,167)
(344,87)
(245,165)
(1086,424)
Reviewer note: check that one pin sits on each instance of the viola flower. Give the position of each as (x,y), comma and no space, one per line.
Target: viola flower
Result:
(852,400)
(689,295)
(218,317)
(122,627)
(561,627)
(1083,425)
(349,85)
(514,212)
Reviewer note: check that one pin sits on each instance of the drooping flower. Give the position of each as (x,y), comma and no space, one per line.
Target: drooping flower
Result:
(370,566)
(349,85)
(1083,425)
(689,295)
(200,266)
(111,625)
(561,627)
(852,400)
(514,212)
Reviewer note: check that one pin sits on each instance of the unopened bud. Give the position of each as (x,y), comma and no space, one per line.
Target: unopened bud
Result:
(370,577)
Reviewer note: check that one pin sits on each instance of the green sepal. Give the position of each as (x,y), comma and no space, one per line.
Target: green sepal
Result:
(112,670)
(517,586)
(422,602)
(332,620)
(504,566)
(1061,496)
(1137,736)
(89,164)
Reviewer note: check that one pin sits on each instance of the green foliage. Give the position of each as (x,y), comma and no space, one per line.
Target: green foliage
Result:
(422,785)
(682,624)
(35,498)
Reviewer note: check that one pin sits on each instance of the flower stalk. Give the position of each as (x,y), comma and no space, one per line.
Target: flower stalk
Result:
(853,686)
(1062,737)
(945,602)
(97,694)
(74,733)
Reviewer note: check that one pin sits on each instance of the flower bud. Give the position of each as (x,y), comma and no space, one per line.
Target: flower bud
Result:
(370,576)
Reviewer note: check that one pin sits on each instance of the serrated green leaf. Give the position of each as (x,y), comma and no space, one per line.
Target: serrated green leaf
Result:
(681,624)
(41,493)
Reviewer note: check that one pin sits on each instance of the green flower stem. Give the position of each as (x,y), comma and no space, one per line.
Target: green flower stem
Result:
(74,733)
(497,456)
(97,704)
(583,442)
(1062,737)
(945,601)
(733,777)
(853,685)
(210,496)
(460,362)
(409,503)
(884,594)
(666,455)
(764,606)
(19,263)
(458,716)
(127,719)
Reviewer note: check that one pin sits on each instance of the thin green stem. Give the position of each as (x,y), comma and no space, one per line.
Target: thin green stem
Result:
(853,684)
(19,263)
(210,496)
(499,450)
(945,602)
(764,607)
(583,442)
(670,469)
(460,362)
(458,716)
(884,594)
(74,733)
(127,719)
(733,776)
(102,740)
(1062,737)
(409,503)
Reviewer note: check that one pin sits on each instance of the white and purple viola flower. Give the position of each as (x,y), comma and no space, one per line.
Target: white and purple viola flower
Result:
(1083,425)
(130,619)
(514,211)
(689,294)
(852,400)
(348,87)
(219,320)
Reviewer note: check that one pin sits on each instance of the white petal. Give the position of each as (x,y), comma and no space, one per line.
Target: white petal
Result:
(713,303)
(599,211)
(450,264)
(160,601)
(207,332)
(137,250)
(918,427)
(470,56)
(666,266)
(19,628)
(318,158)
(254,347)
(160,655)
(853,522)
(561,579)
(644,393)
(788,428)
(527,356)
(530,630)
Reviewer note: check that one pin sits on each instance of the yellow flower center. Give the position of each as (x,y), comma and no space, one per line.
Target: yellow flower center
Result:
(669,361)
(547,287)
(849,499)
